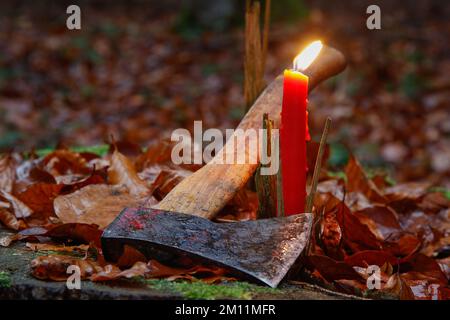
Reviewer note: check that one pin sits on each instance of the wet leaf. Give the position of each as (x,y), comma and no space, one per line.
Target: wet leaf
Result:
(371,257)
(76,232)
(411,190)
(111,272)
(425,290)
(402,244)
(242,207)
(7,172)
(434,202)
(422,267)
(331,269)
(129,257)
(123,172)
(357,236)
(358,182)
(10,220)
(21,210)
(445,266)
(30,172)
(39,198)
(96,204)
(126,147)
(30,233)
(331,234)
(63,162)
(97,177)
(163,178)
(398,287)
(157,153)
(54,267)
(385,219)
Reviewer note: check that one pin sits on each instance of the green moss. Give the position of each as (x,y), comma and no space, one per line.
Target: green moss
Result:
(370,174)
(373,172)
(444,191)
(5,280)
(202,290)
(337,175)
(100,150)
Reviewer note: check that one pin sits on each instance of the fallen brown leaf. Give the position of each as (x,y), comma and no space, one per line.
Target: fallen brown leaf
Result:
(422,267)
(358,182)
(433,202)
(385,219)
(410,190)
(7,172)
(156,153)
(54,267)
(398,287)
(356,235)
(123,172)
(78,232)
(63,162)
(10,220)
(95,204)
(129,257)
(21,210)
(30,233)
(371,257)
(97,177)
(331,269)
(167,177)
(39,198)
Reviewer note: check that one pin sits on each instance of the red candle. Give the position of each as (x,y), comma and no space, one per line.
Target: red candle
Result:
(293,131)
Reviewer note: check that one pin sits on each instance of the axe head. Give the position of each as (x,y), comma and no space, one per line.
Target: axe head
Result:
(261,250)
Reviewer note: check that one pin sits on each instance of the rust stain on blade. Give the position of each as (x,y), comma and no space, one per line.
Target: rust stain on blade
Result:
(261,250)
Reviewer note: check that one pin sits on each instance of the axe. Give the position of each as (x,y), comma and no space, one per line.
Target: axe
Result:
(263,250)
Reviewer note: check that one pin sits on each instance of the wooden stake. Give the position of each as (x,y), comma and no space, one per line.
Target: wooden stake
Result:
(255,50)
(318,166)
(265,40)
(280,199)
(266,184)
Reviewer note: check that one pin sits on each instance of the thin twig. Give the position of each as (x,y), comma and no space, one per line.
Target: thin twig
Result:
(318,166)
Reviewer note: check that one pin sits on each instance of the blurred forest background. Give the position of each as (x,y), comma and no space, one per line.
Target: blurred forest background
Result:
(139,69)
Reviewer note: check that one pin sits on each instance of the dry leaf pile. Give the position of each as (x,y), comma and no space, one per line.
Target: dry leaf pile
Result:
(402,229)
(61,202)
(133,72)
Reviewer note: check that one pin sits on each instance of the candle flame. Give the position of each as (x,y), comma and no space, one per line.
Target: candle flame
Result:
(307,56)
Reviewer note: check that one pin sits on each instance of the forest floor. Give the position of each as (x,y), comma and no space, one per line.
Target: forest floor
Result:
(16,282)
(137,75)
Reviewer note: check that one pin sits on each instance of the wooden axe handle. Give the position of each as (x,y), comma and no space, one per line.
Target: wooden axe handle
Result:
(209,189)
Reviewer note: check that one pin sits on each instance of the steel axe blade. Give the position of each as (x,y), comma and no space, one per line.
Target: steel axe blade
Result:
(260,250)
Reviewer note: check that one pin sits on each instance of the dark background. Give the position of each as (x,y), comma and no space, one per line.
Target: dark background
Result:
(139,69)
